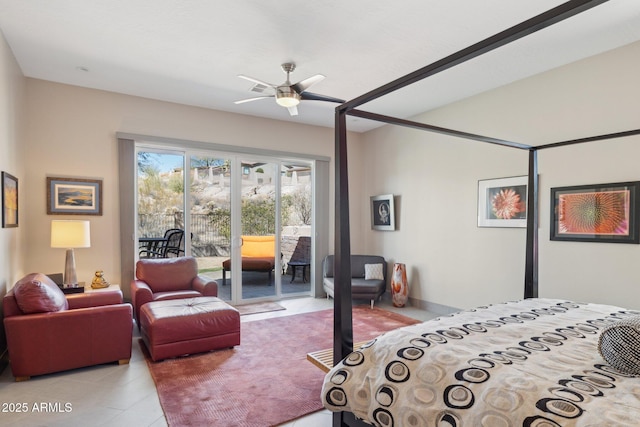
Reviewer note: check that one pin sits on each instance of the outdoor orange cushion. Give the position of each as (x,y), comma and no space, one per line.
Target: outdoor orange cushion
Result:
(258,246)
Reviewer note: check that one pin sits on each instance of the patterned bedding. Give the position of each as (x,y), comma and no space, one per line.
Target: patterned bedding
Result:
(525,363)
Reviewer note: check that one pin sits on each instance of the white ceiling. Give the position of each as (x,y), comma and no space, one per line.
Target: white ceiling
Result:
(191,51)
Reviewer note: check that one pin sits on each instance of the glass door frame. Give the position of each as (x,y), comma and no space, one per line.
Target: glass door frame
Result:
(167,151)
(237,231)
(126,187)
(236,208)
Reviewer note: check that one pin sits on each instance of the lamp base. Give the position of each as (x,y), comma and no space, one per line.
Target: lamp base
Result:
(70,280)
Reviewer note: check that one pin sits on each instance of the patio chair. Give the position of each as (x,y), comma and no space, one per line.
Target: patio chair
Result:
(170,245)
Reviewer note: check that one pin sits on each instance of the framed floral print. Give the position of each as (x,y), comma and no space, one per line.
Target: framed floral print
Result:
(502,202)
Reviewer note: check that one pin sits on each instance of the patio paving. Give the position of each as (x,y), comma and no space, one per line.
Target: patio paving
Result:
(254,284)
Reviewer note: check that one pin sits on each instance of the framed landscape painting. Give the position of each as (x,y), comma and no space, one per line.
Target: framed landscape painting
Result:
(9,200)
(502,202)
(596,213)
(70,196)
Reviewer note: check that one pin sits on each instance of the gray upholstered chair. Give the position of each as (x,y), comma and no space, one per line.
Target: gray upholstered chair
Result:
(367,281)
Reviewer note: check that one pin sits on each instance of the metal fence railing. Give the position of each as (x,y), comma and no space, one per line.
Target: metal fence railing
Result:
(210,234)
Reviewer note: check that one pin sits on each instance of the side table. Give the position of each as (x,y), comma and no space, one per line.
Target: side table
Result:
(112,287)
(95,297)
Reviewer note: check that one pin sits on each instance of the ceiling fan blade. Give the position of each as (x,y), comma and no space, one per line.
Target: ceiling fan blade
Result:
(242,101)
(256,81)
(308,96)
(293,111)
(305,84)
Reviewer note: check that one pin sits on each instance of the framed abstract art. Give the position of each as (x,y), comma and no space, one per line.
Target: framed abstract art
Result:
(606,213)
(9,200)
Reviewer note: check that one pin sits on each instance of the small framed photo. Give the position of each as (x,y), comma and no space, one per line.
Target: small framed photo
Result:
(9,200)
(383,213)
(502,202)
(607,213)
(70,196)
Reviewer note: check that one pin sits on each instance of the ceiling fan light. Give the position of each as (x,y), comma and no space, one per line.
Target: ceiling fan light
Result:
(287,97)
(288,101)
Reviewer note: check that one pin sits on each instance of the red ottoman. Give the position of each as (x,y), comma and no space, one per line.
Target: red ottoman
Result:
(185,326)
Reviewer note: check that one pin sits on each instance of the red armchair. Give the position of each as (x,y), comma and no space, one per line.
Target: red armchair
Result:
(168,278)
(49,332)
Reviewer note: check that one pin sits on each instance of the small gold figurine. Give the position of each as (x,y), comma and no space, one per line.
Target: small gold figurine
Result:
(98,281)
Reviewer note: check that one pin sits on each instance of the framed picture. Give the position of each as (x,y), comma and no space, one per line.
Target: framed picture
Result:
(596,213)
(9,200)
(502,202)
(70,196)
(383,213)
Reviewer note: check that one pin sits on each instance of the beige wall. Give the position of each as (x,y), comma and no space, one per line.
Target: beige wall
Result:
(12,124)
(453,262)
(72,133)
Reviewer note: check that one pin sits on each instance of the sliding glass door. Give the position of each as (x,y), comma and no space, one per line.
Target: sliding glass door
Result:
(261,262)
(160,202)
(210,193)
(296,225)
(247,220)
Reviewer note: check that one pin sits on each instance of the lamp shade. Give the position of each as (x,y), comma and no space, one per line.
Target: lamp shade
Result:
(70,234)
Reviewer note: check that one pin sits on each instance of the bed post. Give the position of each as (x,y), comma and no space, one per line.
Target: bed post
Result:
(342,316)
(531,263)
(342,327)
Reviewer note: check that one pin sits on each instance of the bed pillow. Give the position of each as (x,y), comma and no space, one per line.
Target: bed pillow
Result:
(37,293)
(373,272)
(619,345)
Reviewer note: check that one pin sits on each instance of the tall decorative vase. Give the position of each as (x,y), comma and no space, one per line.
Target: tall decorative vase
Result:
(399,285)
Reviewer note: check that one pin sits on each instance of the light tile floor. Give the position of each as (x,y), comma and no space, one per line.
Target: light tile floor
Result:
(122,396)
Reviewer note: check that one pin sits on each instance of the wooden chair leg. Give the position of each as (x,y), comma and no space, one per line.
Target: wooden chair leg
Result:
(123,361)
(20,379)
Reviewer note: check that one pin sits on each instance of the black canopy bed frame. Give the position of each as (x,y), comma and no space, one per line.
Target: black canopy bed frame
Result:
(343,327)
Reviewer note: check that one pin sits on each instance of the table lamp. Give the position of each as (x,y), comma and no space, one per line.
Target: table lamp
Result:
(70,234)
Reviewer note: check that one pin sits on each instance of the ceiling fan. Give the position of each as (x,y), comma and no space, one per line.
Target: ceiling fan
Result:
(288,95)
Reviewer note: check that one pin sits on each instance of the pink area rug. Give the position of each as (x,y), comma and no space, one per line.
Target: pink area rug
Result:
(266,380)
